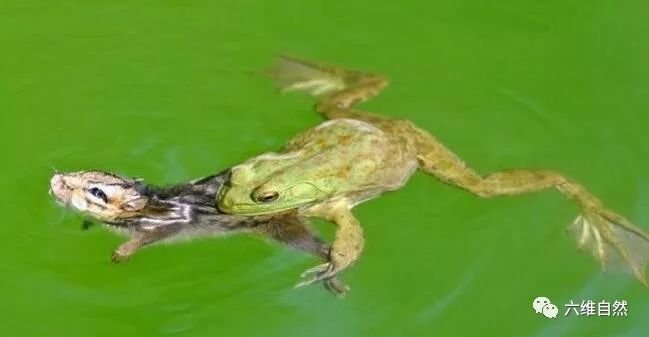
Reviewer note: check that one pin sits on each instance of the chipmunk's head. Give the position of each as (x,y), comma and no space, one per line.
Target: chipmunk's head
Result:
(101,195)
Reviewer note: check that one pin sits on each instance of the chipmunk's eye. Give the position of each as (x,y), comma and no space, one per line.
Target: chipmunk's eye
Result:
(98,193)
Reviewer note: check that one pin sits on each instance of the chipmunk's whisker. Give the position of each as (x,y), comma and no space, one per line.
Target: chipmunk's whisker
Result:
(54,168)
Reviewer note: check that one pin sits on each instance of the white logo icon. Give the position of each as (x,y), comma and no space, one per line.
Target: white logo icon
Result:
(542,305)
(539,303)
(550,311)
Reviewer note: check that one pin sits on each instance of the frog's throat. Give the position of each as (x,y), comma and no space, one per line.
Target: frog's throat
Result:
(238,210)
(253,209)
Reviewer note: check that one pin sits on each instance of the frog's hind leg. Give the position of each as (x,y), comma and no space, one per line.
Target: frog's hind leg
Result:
(610,236)
(336,89)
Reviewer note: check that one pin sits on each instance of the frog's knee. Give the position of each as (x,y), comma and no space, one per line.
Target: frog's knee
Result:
(479,187)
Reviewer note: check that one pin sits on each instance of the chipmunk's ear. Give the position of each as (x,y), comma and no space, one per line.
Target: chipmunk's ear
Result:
(136,204)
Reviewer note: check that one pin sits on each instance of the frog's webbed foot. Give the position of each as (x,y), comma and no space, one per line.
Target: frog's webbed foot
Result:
(336,287)
(317,270)
(294,231)
(325,273)
(337,89)
(292,74)
(341,258)
(316,274)
(613,240)
(346,248)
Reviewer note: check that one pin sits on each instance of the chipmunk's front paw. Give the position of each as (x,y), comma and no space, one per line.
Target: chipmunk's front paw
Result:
(119,257)
(126,250)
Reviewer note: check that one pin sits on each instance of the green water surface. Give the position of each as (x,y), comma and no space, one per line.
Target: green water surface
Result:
(170,91)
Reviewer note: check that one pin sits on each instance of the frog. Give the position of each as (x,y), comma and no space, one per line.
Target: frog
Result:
(355,156)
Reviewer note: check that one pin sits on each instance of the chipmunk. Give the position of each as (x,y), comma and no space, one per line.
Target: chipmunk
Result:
(148,214)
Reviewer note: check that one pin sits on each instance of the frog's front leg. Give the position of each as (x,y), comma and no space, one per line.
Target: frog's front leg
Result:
(293,231)
(348,241)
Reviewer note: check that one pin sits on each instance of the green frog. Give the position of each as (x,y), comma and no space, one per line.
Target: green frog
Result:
(356,156)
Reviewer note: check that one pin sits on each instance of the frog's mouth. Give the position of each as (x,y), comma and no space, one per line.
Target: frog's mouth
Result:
(227,205)
(251,210)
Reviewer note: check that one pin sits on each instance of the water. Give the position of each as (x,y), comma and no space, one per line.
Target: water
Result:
(169,91)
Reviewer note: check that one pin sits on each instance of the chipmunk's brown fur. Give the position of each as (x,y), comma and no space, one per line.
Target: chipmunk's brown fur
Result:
(149,214)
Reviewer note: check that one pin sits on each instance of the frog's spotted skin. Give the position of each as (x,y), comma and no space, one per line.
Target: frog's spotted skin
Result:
(356,156)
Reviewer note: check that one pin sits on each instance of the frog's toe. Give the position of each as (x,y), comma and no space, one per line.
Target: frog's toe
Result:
(322,272)
(613,241)
(296,75)
(316,270)
(310,281)
(314,87)
(336,287)
(325,273)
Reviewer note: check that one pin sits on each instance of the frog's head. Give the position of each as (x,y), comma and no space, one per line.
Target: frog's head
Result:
(253,190)
(101,195)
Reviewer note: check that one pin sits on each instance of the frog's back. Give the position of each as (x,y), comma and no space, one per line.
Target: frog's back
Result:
(359,153)
(337,133)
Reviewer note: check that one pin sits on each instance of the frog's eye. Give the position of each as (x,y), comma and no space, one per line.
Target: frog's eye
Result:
(98,193)
(265,197)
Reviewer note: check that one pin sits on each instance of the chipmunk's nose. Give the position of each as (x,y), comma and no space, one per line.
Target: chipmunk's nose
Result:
(56,184)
